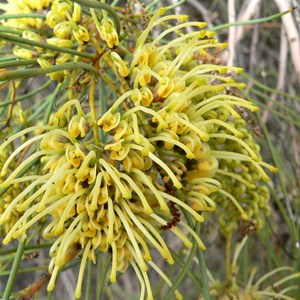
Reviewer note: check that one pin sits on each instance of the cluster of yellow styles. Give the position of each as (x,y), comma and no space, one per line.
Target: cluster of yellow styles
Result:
(169,143)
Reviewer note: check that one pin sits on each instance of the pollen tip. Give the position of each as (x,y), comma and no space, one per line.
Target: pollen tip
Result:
(6,240)
(202,24)
(113,278)
(266,178)
(184,18)
(244,216)
(109,239)
(255,108)
(164,207)
(170,259)
(188,244)
(190,155)
(200,218)
(273,169)
(148,210)
(178,295)
(162,10)
(210,34)
(77,294)
(127,195)
(147,257)
(50,287)
(3,173)
(178,185)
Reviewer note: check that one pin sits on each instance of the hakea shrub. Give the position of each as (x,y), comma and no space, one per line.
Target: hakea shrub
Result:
(172,141)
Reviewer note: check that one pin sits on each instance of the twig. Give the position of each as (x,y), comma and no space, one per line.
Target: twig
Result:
(205,13)
(292,34)
(253,49)
(255,21)
(296,3)
(177,9)
(14,269)
(296,149)
(283,54)
(246,15)
(231,33)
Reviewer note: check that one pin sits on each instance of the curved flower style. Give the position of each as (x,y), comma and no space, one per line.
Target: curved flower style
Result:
(173,141)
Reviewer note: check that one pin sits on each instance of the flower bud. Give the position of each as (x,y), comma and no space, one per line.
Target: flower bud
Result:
(109,121)
(63,30)
(23,53)
(60,42)
(62,7)
(44,63)
(81,35)
(108,33)
(53,18)
(120,64)
(76,16)
(78,126)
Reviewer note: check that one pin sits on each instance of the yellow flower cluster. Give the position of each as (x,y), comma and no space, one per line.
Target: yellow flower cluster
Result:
(24,7)
(172,141)
(65,19)
(240,178)
(65,26)
(93,204)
